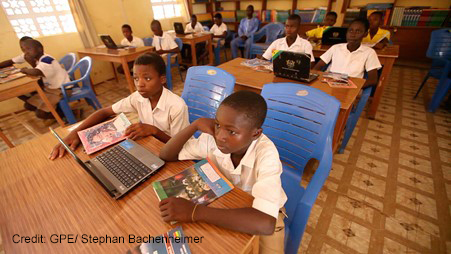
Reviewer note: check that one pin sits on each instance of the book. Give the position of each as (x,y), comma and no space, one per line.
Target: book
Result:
(104,134)
(171,242)
(10,73)
(201,183)
(338,80)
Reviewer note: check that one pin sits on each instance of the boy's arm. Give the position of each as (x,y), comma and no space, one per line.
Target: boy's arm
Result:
(223,35)
(140,130)
(6,63)
(382,44)
(32,72)
(372,78)
(174,50)
(319,66)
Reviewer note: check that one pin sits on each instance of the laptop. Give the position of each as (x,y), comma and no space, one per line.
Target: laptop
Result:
(109,43)
(120,168)
(293,65)
(178,27)
(334,35)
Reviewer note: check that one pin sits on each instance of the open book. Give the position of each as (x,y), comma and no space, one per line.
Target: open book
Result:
(201,183)
(171,242)
(10,73)
(338,80)
(104,134)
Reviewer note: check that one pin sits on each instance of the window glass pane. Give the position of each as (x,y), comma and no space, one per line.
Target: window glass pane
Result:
(169,10)
(178,11)
(158,12)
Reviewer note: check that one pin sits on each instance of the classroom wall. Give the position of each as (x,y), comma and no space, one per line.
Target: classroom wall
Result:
(432,3)
(312,3)
(279,5)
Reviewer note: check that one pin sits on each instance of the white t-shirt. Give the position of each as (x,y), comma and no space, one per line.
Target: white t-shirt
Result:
(351,63)
(136,42)
(19,59)
(170,115)
(258,172)
(218,30)
(197,28)
(165,42)
(54,74)
(299,45)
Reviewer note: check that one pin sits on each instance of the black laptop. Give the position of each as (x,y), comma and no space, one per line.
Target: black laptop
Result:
(109,43)
(178,27)
(120,168)
(293,65)
(334,35)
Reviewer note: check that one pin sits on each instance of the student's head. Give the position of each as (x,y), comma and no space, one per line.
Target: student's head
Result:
(155,26)
(330,19)
(193,19)
(292,25)
(375,19)
(239,119)
(357,30)
(33,48)
(149,74)
(218,19)
(250,11)
(127,31)
(21,41)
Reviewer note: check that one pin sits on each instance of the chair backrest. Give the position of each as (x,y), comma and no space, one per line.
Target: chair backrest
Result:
(440,44)
(300,121)
(206,28)
(205,88)
(273,30)
(148,41)
(179,43)
(85,67)
(68,61)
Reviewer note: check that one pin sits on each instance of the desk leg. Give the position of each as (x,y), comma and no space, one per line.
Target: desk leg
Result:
(115,73)
(339,127)
(49,106)
(193,54)
(131,84)
(210,51)
(388,65)
(252,246)
(6,140)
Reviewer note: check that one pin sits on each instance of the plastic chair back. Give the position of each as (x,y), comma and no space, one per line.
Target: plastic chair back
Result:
(68,61)
(440,44)
(148,41)
(300,121)
(206,28)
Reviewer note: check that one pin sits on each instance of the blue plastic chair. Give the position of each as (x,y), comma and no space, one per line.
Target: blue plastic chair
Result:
(300,121)
(68,61)
(444,85)
(77,92)
(271,31)
(206,28)
(170,65)
(439,51)
(205,88)
(217,50)
(148,41)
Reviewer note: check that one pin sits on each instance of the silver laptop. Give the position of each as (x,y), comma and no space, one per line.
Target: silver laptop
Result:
(120,168)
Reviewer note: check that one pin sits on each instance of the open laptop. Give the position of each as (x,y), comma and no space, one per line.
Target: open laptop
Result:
(109,43)
(120,168)
(178,27)
(334,35)
(293,65)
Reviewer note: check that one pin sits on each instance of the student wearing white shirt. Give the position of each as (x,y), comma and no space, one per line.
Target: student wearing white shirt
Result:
(353,58)
(194,26)
(162,114)
(20,58)
(163,42)
(129,40)
(292,42)
(235,144)
(219,31)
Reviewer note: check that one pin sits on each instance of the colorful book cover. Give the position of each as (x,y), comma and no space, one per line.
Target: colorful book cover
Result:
(201,183)
(171,242)
(104,134)
(338,80)
(10,73)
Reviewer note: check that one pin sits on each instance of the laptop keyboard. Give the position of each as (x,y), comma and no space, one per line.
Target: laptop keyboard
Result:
(126,169)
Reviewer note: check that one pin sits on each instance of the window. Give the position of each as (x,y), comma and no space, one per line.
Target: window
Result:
(164,9)
(38,18)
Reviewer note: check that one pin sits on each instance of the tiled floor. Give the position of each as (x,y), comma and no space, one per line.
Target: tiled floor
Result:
(390,192)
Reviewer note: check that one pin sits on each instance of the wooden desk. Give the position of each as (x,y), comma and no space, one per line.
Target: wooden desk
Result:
(44,197)
(248,79)
(122,56)
(23,86)
(387,57)
(193,39)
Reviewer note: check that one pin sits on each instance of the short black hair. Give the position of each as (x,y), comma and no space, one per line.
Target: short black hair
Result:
(378,13)
(127,26)
(155,21)
(218,16)
(250,6)
(363,21)
(34,44)
(249,103)
(332,13)
(194,16)
(24,38)
(153,59)
(295,17)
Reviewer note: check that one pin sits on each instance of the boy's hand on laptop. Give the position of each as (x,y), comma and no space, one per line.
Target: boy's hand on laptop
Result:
(140,130)
(176,209)
(205,125)
(72,140)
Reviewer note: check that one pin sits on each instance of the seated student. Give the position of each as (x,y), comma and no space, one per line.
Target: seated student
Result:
(248,26)
(194,26)
(20,58)
(292,41)
(317,33)
(353,58)
(234,142)
(163,42)
(129,40)
(162,114)
(53,76)
(377,34)
(219,31)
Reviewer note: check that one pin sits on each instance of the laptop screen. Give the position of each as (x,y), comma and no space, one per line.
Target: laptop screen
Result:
(79,161)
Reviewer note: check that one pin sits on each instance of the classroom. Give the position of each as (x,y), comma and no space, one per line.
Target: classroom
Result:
(225,126)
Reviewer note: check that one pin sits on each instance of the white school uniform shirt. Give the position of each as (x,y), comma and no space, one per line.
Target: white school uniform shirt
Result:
(197,28)
(351,63)
(300,45)
(136,42)
(164,42)
(218,30)
(54,74)
(258,172)
(170,115)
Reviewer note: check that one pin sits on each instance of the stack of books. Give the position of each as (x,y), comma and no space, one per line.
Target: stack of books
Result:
(312,15)
(275,16)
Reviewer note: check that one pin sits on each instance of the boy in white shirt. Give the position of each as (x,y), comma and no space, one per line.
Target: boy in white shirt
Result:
(162,114)
(219,31)
(353,58)
(129,40)
(53,76)
(292,41)
(234,142)
(20,58)
(194,26)
(163,42)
